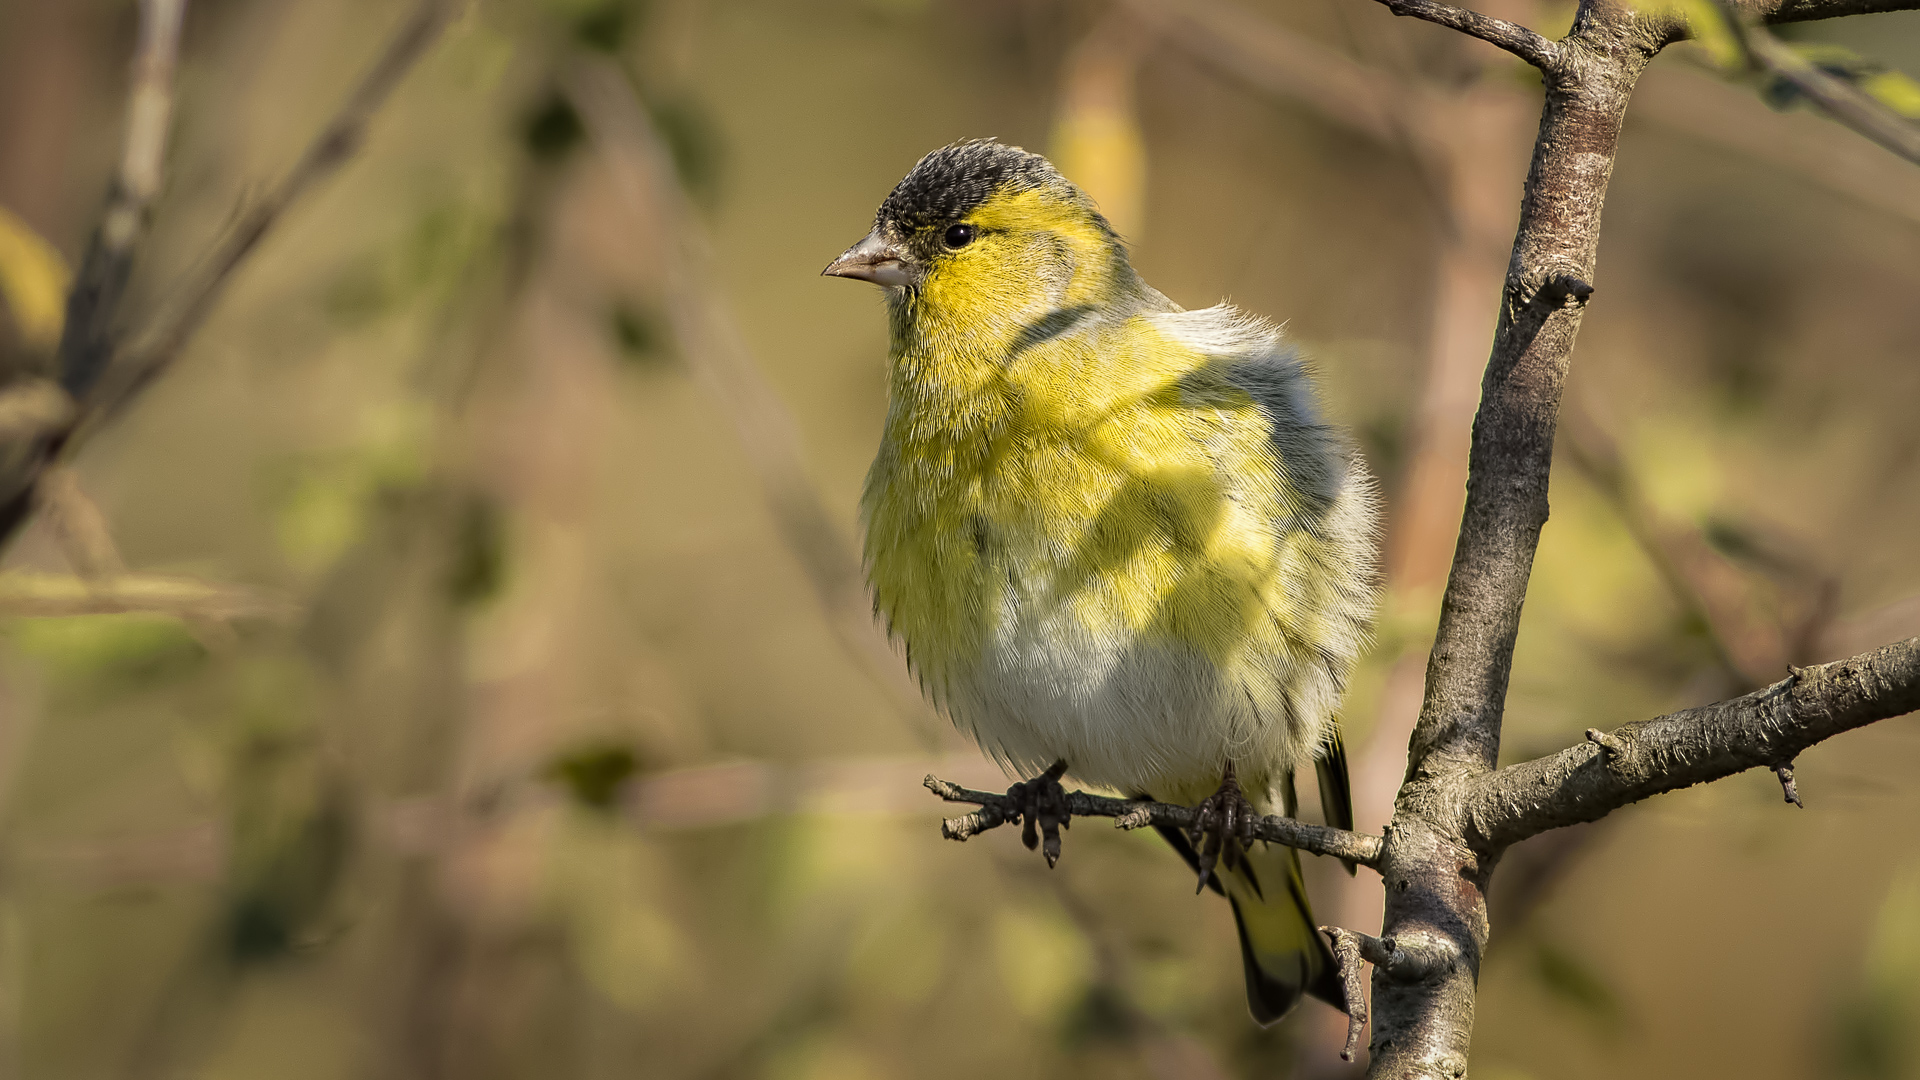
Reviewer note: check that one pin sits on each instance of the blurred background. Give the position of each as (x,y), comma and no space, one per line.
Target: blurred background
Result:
(457,664)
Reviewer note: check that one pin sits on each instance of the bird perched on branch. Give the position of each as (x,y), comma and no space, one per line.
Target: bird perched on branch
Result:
(1117,538)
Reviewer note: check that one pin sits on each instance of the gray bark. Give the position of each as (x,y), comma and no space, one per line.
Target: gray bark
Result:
(1454,814)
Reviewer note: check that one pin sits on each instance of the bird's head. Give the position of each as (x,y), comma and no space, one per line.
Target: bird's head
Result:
(980,229)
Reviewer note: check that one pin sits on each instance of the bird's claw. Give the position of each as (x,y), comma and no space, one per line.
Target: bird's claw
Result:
(1222,829)
(1042,804)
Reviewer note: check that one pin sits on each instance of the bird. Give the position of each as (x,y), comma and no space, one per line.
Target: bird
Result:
(1116,538)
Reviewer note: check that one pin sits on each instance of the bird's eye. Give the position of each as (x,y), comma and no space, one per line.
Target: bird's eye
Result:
(959,236)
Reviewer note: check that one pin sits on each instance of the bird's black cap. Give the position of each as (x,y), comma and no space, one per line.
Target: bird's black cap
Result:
(953,180)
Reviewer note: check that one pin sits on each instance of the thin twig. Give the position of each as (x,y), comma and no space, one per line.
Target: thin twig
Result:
(32,409)
(1512,37)
(86,342)
(31,594)
(1594,453)
(1835,96)
(85,536)
(1694,746)
(997,809)
(332,148)
(1276,61)
(1788,789)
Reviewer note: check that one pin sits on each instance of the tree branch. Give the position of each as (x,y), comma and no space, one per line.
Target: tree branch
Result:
(1765,729)
(1436,885)
(1786,11)
(997,810)
(96,361)
(23,593)
(1512,37)
(1276,61)
(1838,98)
(86,342)
(332,148)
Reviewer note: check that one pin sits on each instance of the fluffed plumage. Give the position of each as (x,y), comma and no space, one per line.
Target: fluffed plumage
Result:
(1108,530)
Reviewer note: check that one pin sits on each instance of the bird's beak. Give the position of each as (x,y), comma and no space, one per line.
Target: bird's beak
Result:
(872,259)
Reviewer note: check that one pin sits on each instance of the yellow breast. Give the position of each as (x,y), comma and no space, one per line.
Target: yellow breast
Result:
(1108,476)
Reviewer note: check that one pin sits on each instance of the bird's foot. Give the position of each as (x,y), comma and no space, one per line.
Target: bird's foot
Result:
(1042,806)
(1222,829)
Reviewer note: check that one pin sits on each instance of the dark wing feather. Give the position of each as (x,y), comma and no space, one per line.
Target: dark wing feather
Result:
(1336,789)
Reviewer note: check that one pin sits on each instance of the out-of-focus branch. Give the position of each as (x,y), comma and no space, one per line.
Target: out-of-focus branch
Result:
(1857,633)
(1786,11)
(1167,1053)
(1597,458)
(718,354)
(86,342)
(331,149)
(1764,729)
(998,809)
(1271,59)
(107,374)
(1274,60)
(1837,97)
(1703,107)
(32,408)
(32,594)
(82,528)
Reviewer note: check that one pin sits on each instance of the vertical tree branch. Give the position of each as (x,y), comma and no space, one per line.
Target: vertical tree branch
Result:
(1436,885)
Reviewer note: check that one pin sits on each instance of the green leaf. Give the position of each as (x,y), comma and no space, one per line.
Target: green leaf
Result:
(1709,26)
(1895,90)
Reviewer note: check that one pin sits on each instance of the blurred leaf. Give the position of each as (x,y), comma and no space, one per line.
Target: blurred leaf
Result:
(109,651)
(1569,978)
(1044,962)
(424,263)
(821,1057)
(1896,90)
(289,825)
(1710,29)
(552,129)
(1100,1017)
(901,954)
(693,138)
(1677,467)
(33,282)
(479,554)
(606,26)
(595,775)
(283,886)
(325,501)
(1893,89)
(638,334)
(1875,1023)
(606,883)
(324,515)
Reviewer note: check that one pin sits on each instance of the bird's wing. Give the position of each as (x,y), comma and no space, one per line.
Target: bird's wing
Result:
(1336,789)
(1284,955)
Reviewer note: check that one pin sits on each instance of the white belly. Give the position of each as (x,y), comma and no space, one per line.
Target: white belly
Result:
(1134,715)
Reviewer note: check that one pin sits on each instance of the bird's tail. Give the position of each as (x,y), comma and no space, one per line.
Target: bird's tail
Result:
(1285,956)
